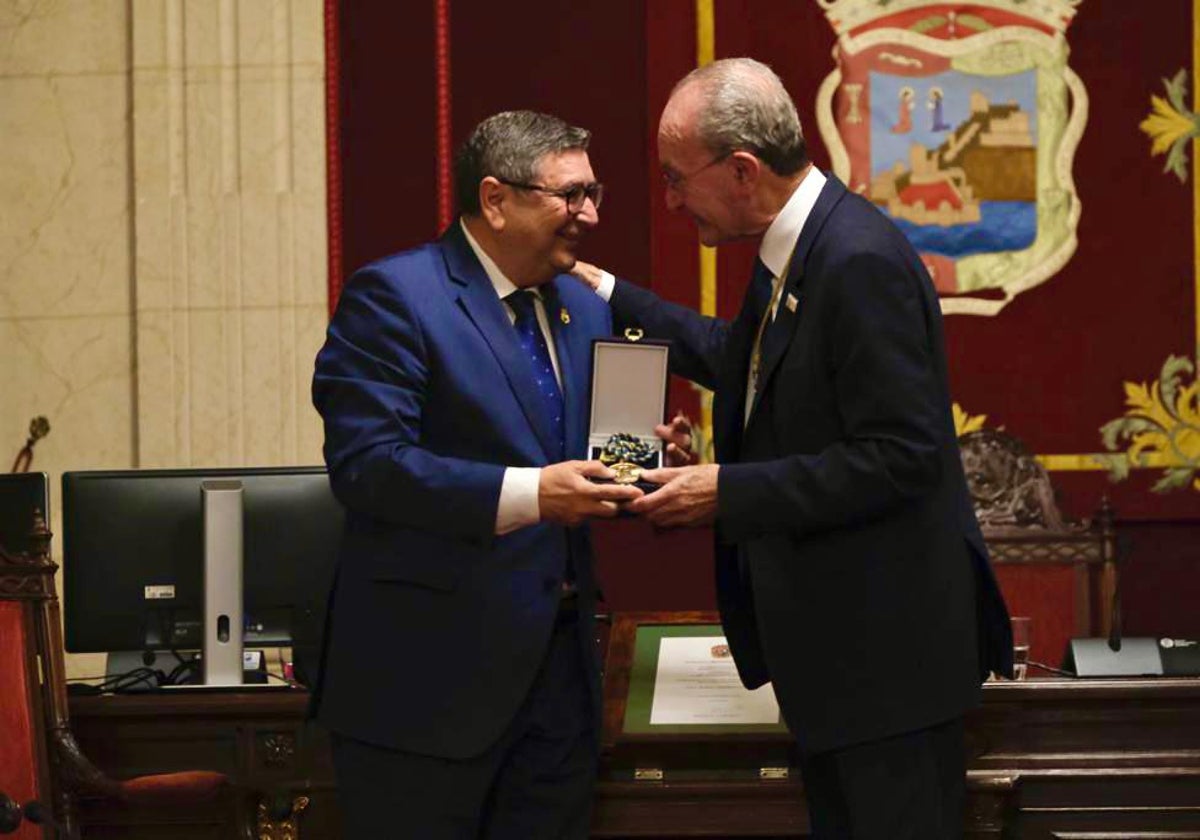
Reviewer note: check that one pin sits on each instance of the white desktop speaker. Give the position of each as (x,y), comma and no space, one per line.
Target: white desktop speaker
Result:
(1133,657)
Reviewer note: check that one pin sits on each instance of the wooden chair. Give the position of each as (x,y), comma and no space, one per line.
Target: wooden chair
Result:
(1061,574)
(40,762)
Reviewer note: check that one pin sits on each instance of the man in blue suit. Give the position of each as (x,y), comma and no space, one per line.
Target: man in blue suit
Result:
(459,674)
(851,572)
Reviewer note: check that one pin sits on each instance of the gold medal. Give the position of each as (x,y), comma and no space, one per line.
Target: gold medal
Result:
(626,473)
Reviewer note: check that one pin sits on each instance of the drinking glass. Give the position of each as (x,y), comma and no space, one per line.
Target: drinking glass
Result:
(1020,634)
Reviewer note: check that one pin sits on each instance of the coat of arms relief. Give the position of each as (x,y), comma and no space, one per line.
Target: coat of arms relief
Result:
(960,121)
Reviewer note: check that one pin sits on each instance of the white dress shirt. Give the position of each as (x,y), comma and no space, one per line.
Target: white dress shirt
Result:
(518,505)
(775,251)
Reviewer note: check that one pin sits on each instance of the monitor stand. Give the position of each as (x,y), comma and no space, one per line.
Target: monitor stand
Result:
(222,661)
(221,503)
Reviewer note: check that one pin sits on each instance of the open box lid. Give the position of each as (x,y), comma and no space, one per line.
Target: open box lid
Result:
(629,387)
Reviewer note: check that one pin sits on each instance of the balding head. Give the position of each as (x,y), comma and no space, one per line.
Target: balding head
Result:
(738,104)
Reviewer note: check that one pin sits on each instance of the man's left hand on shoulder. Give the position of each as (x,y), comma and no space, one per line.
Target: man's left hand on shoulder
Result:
(687,497)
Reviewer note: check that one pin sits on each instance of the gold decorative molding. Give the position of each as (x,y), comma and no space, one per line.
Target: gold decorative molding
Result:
(705,52)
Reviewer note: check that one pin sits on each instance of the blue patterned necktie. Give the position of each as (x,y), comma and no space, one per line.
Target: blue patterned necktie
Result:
(529,332)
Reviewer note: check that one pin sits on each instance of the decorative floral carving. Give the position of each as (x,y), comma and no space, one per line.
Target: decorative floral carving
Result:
(280,826)
(1171,125)
(278,748)
(1009,488)
(1163,419)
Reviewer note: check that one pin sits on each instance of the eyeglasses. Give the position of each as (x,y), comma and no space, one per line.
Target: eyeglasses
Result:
(675,181)
(574,195)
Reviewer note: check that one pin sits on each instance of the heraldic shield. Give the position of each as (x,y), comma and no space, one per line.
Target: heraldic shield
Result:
(960,121)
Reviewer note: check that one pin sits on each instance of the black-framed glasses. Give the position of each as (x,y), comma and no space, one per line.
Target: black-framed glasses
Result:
(575,195)
(675,181)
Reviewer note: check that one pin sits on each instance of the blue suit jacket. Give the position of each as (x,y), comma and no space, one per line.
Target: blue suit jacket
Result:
(436,626)
(850,569)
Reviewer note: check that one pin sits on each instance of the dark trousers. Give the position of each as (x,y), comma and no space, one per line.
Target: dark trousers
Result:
(909,786)
(535,782)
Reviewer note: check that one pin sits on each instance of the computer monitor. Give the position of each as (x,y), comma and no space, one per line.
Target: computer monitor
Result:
(133,557)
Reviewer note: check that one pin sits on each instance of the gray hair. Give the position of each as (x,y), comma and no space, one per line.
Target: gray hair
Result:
(746,108)
(508,146)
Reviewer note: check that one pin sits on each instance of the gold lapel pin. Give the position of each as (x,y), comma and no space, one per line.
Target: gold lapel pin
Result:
(564,315)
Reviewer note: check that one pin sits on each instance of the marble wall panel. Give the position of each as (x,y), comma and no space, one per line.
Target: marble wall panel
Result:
(242,243)
(64,184)
(63,37)
(162,245)
(74,370)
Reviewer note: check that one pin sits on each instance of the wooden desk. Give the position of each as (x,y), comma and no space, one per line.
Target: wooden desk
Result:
(1050,758)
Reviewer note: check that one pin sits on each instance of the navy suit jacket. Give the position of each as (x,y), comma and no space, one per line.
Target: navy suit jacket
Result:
(437,626)
(851,572)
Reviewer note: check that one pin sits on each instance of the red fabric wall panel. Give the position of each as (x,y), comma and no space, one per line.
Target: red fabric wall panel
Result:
(1160,583)
(386,128)
(18,749)
(1049,368)
(582,61)
(674,269)
(1046,594)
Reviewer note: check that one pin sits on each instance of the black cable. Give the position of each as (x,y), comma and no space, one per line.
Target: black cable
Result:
(185,672)
(1050,668)
(143,678)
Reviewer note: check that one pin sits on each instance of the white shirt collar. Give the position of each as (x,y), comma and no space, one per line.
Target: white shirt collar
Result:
(503,286)
(780,239)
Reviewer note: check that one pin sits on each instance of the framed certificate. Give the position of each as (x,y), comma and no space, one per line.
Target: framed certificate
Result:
(672,675)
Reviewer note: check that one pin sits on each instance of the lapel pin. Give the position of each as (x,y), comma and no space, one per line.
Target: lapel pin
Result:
(564,315)
(791,303)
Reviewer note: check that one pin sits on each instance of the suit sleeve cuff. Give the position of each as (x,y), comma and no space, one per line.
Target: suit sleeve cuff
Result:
(737,500)
(605,288)
(518,506)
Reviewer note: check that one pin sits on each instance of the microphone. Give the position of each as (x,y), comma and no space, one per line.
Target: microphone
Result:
(1115,656)
(1114,609)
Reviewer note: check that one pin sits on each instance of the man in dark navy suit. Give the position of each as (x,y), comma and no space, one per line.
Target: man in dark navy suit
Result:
(851,572)
(459,673)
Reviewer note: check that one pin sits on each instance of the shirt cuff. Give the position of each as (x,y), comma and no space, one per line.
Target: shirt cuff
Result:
(518,505)
(607,282)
